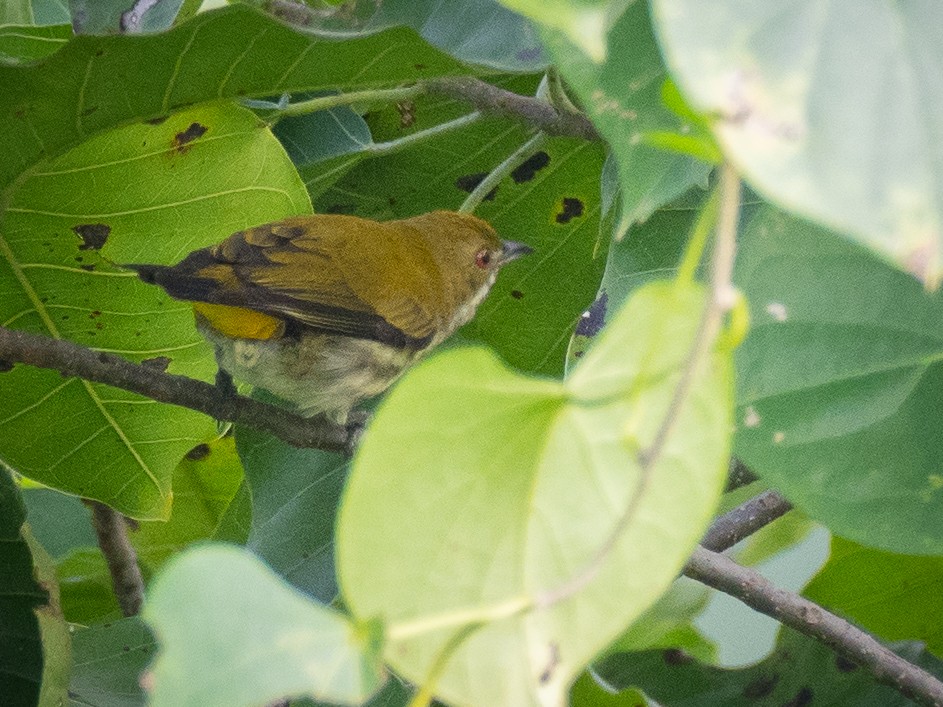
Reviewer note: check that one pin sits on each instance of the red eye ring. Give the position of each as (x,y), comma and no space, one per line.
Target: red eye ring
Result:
(483,258)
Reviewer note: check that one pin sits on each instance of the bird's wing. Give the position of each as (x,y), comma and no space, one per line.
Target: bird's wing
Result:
(331,273)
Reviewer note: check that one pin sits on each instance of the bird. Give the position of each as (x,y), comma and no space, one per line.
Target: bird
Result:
(325,311)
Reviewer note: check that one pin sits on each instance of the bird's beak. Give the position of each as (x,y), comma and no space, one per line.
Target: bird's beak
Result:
(512,250)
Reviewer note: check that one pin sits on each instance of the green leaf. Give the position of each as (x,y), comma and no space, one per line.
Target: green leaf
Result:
(475,31)
(109,660)
(801,671)
(60,523)
(804,94)
(623,96)
(19,43)
(190,181)
(231,52)
(584,22)
(894,596)
(478,490)
(204,484)
(551,203)
(587,692)
(252,646)
(125,16)
(88,596)
(21,649)
(295,494)
(839,385)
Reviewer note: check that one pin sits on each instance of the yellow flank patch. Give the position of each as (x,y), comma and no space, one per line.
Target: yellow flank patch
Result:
(239,323)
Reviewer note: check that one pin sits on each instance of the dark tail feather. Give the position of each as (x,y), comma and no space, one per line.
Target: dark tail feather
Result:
(176,282)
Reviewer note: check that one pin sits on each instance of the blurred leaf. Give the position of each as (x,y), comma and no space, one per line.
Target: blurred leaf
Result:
(772,539)
(109,660)
(235,525)
(193,179)
(801,671)
(53,105)
(839,385)
(204,484)
(295,493)
(584,22)
(20,43)
(475,31)
(895,596)
(623,96)
(59,522)
(482,518)
(86,589)
(21,649)
(282,643)
(123,16)
(803,94)
(551,202)
(586,692)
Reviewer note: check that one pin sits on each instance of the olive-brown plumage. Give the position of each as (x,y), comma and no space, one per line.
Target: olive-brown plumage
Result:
(325,311)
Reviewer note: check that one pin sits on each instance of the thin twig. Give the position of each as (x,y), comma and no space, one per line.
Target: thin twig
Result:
(494,177)
(720,572)
(380,95)
(744,520)
(376,149)
(73,360)
(111,529)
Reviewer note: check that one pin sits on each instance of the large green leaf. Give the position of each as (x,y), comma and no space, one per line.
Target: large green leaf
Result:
(21,650)
(802,671)
(87,592)
(146,192)
(252,645)
(295,494)
(830,109)
(551,203)
(897,597)
(109,661)
(477,489)
(623,96)
(839,385)
(584,21)
(95,83)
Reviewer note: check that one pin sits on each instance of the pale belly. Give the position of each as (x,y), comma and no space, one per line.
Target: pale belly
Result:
(318,373)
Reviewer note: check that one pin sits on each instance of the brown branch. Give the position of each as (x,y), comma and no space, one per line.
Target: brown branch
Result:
(111,528)
(534,112)
(73,360)
(744,520)
(720,572)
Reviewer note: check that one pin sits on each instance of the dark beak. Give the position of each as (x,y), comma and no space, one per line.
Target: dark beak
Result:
(512,250)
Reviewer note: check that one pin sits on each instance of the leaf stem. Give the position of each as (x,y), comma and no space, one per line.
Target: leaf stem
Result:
(718,303)
(391,146)
(514,160)
(380,95)
(705,223)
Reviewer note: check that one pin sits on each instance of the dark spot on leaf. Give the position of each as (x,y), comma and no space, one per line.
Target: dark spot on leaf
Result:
(100,52)
(79,258)
(5,366)
(593,318)
(761,687)
(572,208)
(184,138)
(99,325)
(126,648)
(529,54)
(468,182)
(305,555)
(579,354)
(802,698)
(552,664)
(19,112)
(340,209)
(844,665)
(528,169)
(157,121)
(517,294)
(64,317)
(95,314)
(419,67)
(89,268)
(88,111)
(158,363)
(391,201)
(675,657)
(199,452)
(93,235)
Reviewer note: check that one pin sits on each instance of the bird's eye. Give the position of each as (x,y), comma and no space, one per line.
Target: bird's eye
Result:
(482,258)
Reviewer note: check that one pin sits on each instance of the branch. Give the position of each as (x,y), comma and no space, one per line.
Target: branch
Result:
(535,112)
(73,360)
(744,520)
(720,572)
(111,529)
